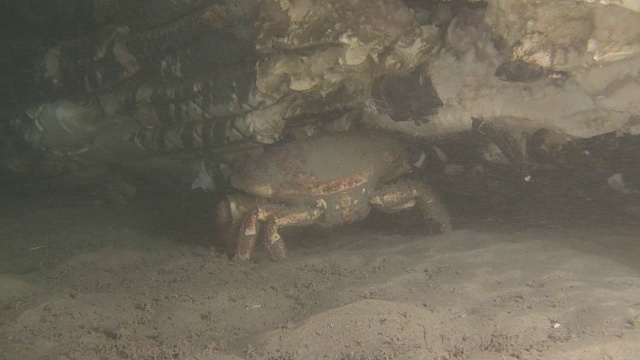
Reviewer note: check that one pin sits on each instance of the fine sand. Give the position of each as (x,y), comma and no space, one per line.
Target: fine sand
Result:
(82,278)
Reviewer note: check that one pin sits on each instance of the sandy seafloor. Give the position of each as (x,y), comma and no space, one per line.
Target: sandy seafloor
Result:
(81,278)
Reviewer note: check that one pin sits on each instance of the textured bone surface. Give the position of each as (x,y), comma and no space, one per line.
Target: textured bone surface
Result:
(594,44)
(256,73)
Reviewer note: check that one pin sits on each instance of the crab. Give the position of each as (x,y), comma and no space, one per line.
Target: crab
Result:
(330,180)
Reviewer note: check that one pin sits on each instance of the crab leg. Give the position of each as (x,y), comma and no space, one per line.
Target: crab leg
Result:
(236,223)
(283,218)
(406,194)
(249,231)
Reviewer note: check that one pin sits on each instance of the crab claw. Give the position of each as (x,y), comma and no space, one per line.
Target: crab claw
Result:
(273,242)
(235,219)
(409,193)
(247,237)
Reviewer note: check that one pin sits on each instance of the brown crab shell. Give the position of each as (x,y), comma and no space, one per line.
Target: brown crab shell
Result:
(324,165)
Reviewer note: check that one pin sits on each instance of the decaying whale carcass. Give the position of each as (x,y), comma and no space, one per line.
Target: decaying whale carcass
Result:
(175,86)
(214,79)
(558,74)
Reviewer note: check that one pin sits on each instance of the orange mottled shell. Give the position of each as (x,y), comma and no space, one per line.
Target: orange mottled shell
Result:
(323,165)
